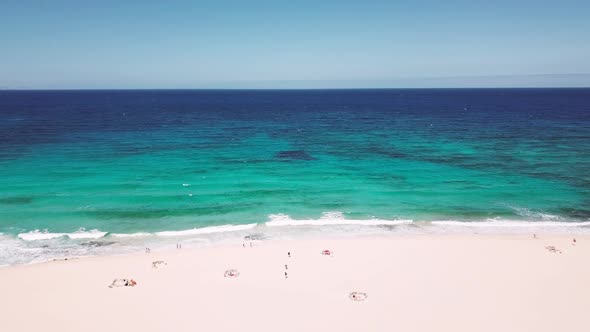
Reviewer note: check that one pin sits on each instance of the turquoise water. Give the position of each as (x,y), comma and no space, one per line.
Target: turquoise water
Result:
(128,162)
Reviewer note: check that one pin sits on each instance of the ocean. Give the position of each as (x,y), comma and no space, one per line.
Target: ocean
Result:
(95,172)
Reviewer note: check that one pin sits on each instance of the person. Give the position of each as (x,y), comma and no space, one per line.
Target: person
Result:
(574,242)
(289,254)
(156,264)
(286,275)
(286,268)
(123,282)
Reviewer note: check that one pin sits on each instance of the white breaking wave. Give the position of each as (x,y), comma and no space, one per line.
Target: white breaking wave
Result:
(328,219)
(38,235)
(208,230)
(24,249)
(81,234)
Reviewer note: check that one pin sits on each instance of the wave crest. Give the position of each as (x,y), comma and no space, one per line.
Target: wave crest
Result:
(37,235)
(328,219)
(208,230)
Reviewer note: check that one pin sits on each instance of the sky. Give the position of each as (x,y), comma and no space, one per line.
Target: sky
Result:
(293,44)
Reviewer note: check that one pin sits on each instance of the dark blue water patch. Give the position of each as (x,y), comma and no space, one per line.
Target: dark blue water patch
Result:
(294,155)
(16,200)
(388,152)
(50,116)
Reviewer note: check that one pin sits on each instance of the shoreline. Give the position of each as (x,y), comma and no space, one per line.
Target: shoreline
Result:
(462,282)
(109,244)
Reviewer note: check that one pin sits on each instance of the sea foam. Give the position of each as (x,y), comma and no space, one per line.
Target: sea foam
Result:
(81,234)
(208,230)
(328,219)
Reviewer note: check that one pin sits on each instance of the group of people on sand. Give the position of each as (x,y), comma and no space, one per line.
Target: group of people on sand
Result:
(233,273)
(553,249)
(123,283)
(286,266)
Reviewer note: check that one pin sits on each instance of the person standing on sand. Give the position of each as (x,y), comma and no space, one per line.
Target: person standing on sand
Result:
(286,275)
(289,254)
(286,268)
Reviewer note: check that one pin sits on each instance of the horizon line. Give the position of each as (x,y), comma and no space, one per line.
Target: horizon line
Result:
(522,81)
(303,89)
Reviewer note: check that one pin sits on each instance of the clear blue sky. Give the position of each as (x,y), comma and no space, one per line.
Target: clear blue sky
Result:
(192,44)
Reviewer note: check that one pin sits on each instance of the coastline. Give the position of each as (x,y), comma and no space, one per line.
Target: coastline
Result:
(415,282)
(37,247)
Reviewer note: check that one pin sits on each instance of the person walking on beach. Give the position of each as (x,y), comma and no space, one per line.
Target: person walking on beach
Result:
(286,268)
(286,276)
(289,254)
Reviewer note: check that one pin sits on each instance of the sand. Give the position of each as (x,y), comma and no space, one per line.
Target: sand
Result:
(414,283)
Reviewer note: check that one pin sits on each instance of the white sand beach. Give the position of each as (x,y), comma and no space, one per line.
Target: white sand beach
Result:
(413,283)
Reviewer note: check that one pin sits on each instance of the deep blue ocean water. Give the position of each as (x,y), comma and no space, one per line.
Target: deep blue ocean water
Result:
(81,171)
